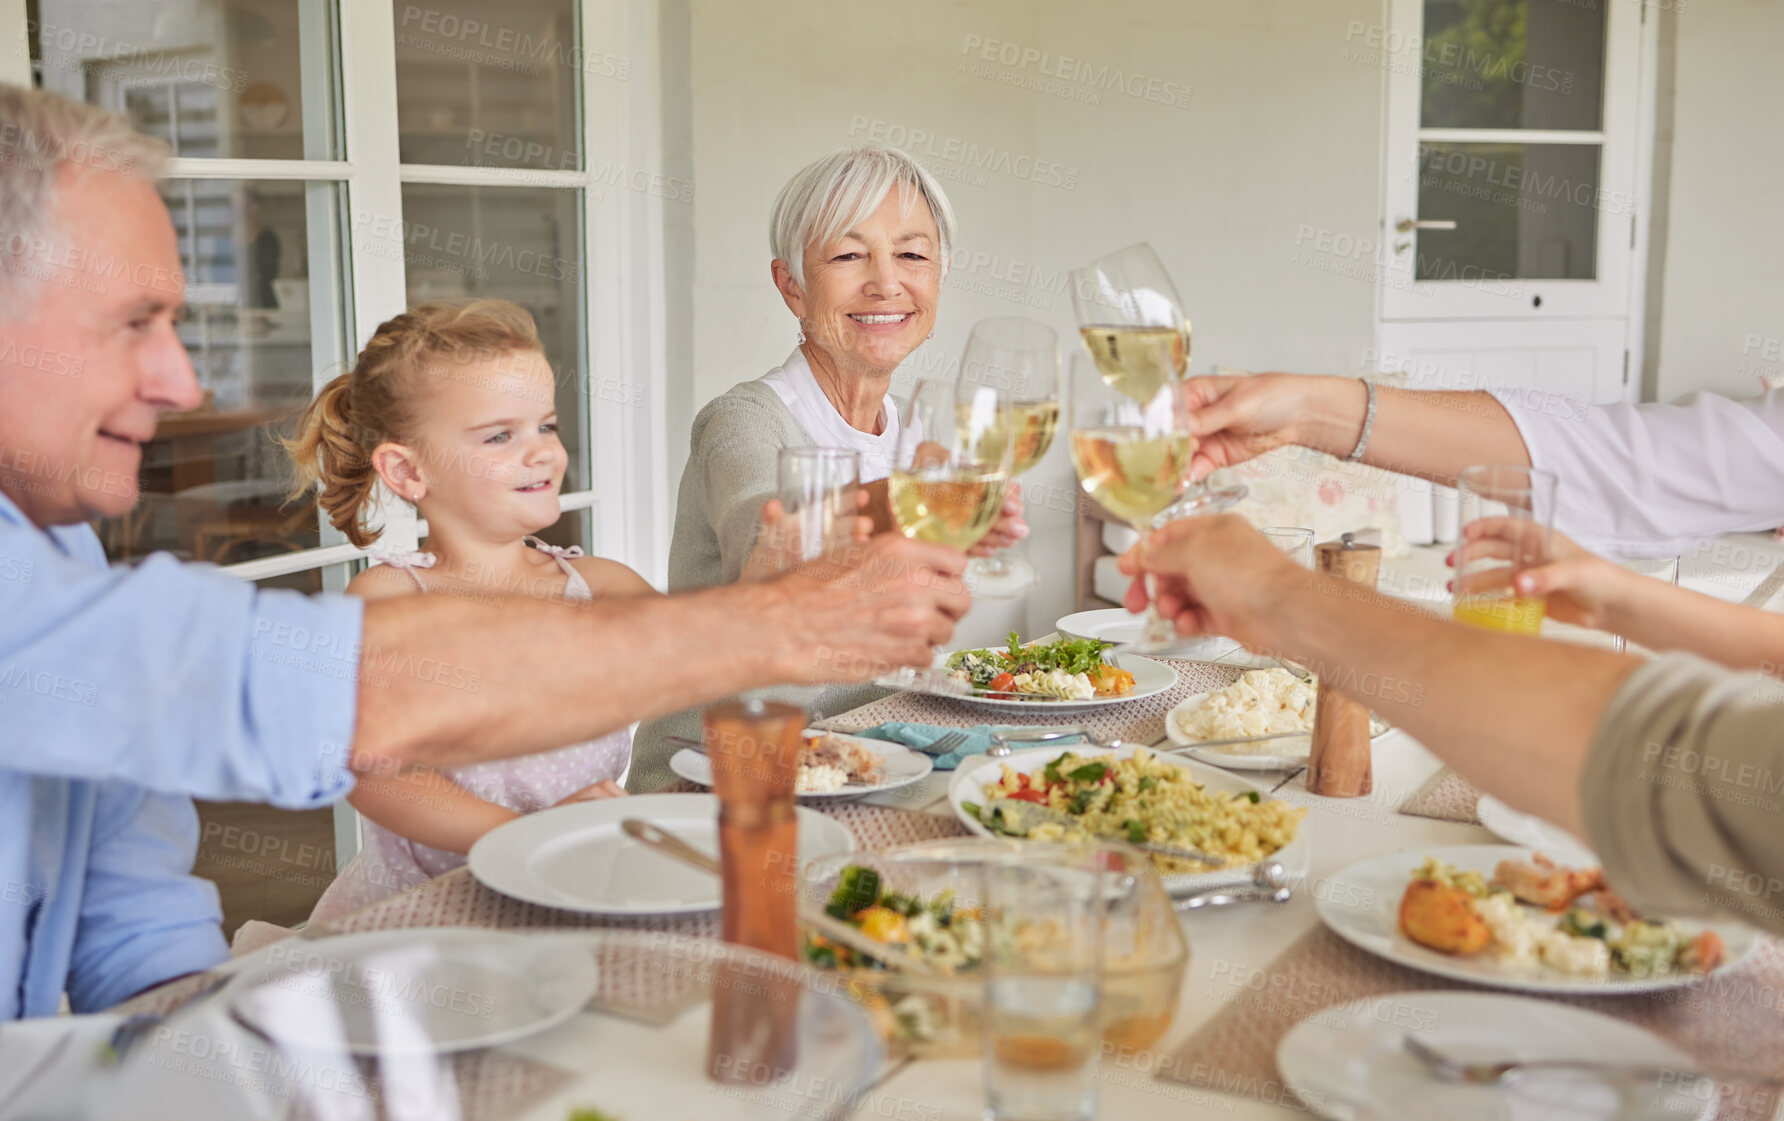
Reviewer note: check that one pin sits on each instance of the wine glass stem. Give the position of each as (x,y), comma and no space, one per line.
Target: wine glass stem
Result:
(1158,629)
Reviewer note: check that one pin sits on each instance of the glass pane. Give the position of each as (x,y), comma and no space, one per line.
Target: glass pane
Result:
(1513,64)
(571,529)
(213,479)
(308,581)
(490,85)
(268,864)
(1521,211)
(510,243)
(243,79)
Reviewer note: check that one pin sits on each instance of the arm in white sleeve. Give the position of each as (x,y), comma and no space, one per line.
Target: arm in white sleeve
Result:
(1653,480)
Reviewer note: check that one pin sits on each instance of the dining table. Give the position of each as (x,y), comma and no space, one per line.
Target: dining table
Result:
(1254,971)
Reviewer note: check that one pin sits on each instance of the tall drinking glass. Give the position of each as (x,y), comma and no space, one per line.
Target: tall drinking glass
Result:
(1664,569)
(1131,456)
(1043,966)
(953,461)
(818,488)
(1019,358)
(1131,320)
(1296,541)
(1485,568)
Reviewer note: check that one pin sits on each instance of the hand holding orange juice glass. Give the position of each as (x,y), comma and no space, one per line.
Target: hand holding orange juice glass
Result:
(1485,568)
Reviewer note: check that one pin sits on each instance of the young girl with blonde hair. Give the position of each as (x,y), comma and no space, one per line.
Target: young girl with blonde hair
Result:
(452,406)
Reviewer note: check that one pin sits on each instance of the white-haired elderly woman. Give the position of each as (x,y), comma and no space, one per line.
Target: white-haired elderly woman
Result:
(860,241)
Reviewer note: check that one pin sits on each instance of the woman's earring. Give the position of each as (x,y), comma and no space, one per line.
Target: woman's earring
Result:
(932,334)
(801,339)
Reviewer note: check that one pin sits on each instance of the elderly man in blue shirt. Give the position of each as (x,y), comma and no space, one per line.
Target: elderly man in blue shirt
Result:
(125,692)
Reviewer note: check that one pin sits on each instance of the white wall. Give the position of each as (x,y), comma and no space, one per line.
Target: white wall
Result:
(1279,136)
(1722,310)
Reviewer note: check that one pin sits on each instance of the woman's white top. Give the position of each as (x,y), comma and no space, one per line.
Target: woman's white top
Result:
(1655,480)
(797,387)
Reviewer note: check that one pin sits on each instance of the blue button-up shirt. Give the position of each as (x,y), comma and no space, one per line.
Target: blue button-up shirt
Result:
(123,693)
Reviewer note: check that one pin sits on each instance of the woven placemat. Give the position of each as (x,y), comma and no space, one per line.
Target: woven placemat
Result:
(1732,1018)
(1141,721)
(1446,796)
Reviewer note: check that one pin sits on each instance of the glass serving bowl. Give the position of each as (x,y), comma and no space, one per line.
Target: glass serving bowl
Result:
(1145,953)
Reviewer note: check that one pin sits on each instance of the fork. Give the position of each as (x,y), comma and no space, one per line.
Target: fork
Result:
(943,745)
(1489,1072)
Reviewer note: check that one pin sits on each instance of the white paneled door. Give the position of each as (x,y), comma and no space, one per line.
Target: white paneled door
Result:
(1512,241)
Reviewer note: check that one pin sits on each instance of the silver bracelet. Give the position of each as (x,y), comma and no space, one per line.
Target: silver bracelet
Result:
(1356,453)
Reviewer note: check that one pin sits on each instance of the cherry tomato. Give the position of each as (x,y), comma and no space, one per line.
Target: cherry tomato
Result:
(1037,796)
(1002,682)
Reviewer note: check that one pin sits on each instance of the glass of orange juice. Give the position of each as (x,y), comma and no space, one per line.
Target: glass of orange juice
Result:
(1485,568)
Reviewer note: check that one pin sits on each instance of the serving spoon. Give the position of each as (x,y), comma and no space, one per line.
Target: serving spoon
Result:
(1269,884)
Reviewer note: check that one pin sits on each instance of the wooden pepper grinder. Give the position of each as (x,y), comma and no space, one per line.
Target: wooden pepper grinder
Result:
(1340,765)
(754,747)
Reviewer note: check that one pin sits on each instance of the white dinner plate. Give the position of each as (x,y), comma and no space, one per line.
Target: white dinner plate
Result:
(1361,904)
(903,767)
(1272,755)
(413,992)
(1533,832)
(576,858)
(1349,1062)
(1112,624)
(1150,679)
(978,772)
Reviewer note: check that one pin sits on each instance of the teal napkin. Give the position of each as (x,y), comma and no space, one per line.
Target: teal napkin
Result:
(920,736)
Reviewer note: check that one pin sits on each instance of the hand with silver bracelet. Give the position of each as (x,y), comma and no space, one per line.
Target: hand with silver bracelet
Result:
(1430,433)
(1237,418)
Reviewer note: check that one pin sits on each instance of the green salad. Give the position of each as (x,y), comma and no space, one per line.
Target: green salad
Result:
(1066,669)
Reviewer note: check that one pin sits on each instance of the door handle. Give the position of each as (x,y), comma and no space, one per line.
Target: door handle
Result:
(1407,225)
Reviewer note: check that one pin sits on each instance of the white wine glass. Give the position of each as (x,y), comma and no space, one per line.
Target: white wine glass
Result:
(1131,320)
(1019,359)
(1132,457)
(952,463)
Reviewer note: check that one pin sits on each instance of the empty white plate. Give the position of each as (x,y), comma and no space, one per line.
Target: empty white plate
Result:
(1350,1062)
(1110,624)
(1533,832)
(413,992)
(576,858)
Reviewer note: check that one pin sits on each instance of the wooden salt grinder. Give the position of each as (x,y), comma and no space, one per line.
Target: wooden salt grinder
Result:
(1340,765)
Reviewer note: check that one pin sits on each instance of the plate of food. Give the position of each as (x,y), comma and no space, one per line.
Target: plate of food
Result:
(1261,721)
(1066,675)
(1508,917)
(1138,795)
(832,766)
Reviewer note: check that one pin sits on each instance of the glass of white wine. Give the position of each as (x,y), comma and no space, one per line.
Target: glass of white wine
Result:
(952,463)
(1132,457)
(1132,322)
(1019,359)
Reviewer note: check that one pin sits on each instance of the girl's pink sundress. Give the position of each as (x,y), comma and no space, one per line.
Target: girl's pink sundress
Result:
(388,863)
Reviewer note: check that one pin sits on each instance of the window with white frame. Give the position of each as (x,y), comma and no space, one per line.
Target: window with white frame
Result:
(309,208)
